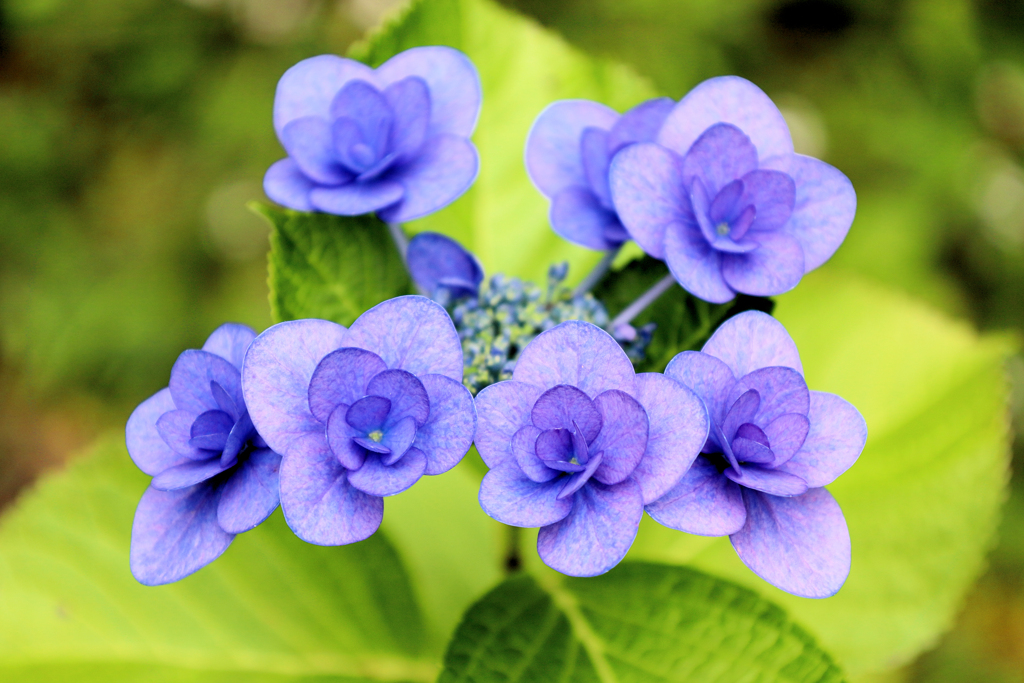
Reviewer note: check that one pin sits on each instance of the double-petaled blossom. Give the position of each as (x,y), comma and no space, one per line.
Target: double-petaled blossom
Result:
(567,156)
(442,268)
(358,413)
(578,443)
(772,446)
(394,140)
(213,476)
(724,200)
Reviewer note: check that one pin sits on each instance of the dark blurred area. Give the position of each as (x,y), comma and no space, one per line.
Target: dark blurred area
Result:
(133,132)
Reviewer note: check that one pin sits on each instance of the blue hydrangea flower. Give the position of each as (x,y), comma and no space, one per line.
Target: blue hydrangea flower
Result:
(358,413)
(578,443)
(725,201)
(772,446)
(567,155)
(442,268)
(394,140)
(213,476)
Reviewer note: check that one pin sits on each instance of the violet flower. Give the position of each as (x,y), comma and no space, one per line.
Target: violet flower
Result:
(773,445)
(578,443)
(725,201)
(394,140)
(567,155)
(358,414)
(442,268)
(213,476)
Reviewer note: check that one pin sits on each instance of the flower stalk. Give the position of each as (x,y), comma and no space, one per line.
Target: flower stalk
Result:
(642,302)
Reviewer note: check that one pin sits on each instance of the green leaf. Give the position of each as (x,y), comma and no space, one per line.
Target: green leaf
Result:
(638,623)
(272,608)
(922,503)
(330,267)
(523,68)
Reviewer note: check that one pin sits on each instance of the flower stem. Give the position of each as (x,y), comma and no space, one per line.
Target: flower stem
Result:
(643,301)
(401,241)
(597,273)
(513,558)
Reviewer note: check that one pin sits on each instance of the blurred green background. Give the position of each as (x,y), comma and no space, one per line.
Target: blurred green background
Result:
(133,132)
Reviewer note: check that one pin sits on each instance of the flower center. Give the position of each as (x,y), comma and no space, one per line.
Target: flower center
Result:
(722,229)
(376,435)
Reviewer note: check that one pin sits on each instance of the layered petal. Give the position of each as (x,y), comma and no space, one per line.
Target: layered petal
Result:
(772,194)
(285,184)
(356,198)
(782,390)
(448,433)
(509,496)
(835,439)
(695,264)
(753,340)
(442,170)
(310,144)
(553,158)
(409,99)
(708,377)
(342,377)
(650,197)
(640,124)
(800,544)
(577,215)
(787,434)
(377,479)
(719,156)
(577,354)
(524,447)
(252,493)
(309,87)
(148,450)
(191,378)
(775,267)
(566,407)
(406,392)
(175,428)
(623,439)
(230,341)
(704,502)
(773,482)
(188,474)
(436,261)
(502,409)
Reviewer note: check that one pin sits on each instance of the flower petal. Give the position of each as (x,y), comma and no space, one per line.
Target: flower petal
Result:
(442,170)
(640,124)
(696,266)
(406,392)
(834,442)
(678,429)
(577,354)
(708,377)
(191,376)
(342,377)
(577,215)
(175,428)
(773,482)
(454,84)
(563,407)
(509,496)
(502,409)
(595,157)
(319,504)
(598,532)
(356,198)
(309,142)
(448,433)
(309,87)
(377,479)
(410,333)
(753,340)
(704,502)
(252,493)
(409,99)
(800,544)
(623,439)
(398,440)
(230,341)
(772,194)
(189,474)
(775,267)
(524,447)
(341,439)
(277,369)
(175,533)
(285,184)
(435,259)
(553,158)
(367,414)
(148,450)
(782,390)
(647,189)
(787,434)
(823,209)
(361,102)
(727,99)
(720,155)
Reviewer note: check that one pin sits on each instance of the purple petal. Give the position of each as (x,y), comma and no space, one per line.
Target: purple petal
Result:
(577,215)
(564,406)
(319,504)
(310,144)
(678,429)
(720,155)
(371,446)
(555,449)
(191,377)
(596,535)
(695,265)
(189,474)
(309,87)
(410,333)
(640,124)
(727,99)
(442,170)
(775,267)
(175,533)
(800,544)
(834,442)
(362,103)
(148,450)
(398,439)
(553,158)
(285,184)
(406,392)
(577,354)
(277,371)
(230,341)
(753,340)
(575,482)
(595,157)
(747,451)
(772,482)
(252,493)
(340,438)
(502,409)
(742,410)
(356,198)
(175,429)
(453,82)
(649,194)
(342,377)
(823,209)
(704,502)
(524,447)
(787,434)
(409,99)
(782,390)
(623,439)
(377,479)
(772,194)
(435,259)
(210,430)
(708,377)
(367,414)
(448,433)
(509,496)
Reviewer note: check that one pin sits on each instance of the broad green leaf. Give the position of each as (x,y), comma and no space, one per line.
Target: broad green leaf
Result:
(523,68)
(923,501)
(638,623)
(272,608)
(330,267)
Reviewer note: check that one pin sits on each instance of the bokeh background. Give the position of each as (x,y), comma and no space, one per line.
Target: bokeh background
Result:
(133,132)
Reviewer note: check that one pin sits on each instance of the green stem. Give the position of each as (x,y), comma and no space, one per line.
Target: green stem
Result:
(513,555)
